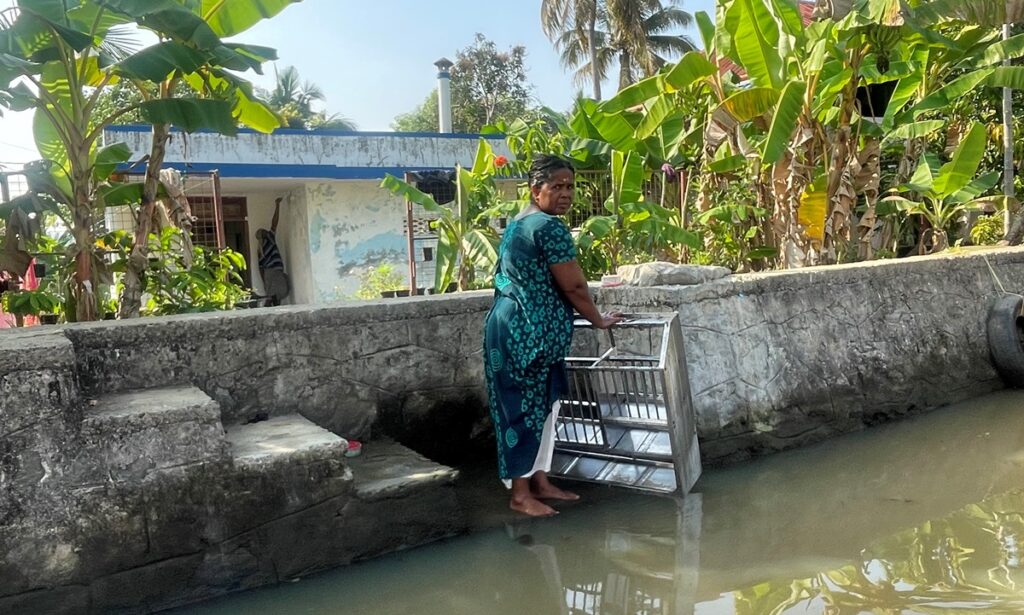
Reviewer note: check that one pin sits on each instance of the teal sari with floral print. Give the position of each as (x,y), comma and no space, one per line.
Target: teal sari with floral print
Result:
(527,336)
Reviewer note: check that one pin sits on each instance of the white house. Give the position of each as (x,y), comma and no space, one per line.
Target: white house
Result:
(335,221)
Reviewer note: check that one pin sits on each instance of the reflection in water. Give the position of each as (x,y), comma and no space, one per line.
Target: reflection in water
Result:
(968,560)
(635,573)
(925,516)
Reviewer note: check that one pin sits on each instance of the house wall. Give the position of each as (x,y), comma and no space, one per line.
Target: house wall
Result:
(354,226)
(295,247)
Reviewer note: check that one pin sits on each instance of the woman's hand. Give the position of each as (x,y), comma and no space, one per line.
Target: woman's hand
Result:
(609,319)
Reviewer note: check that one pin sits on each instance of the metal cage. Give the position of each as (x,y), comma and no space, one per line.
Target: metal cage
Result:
(628,418)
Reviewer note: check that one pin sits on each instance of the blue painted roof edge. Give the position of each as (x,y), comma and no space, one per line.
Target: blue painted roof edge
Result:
(324,133)
(290,171)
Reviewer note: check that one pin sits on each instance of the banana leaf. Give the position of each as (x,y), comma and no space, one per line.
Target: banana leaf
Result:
(191,115)
(923,179)
(957,174)
(692,67)
(410,193)
(784,121)
(636,94)
(751,103)
(231,17)
(814,208)
(157,62)
(914,130)
(706,27)
(755,40)
(1010,49)
(107,158)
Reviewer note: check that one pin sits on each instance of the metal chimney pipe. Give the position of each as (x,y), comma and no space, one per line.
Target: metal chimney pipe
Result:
(444,94)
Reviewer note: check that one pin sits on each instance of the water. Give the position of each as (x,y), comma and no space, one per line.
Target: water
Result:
(924,516)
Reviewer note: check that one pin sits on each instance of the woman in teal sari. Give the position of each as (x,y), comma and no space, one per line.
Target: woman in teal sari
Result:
(528,332)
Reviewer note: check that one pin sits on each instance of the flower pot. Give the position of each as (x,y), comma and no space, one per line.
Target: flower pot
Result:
(402,293)
(388,294)
(48,319)
(39,269)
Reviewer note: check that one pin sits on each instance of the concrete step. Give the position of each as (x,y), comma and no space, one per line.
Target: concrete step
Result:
(387,469)
(288,439)
(127,435)
(402,500)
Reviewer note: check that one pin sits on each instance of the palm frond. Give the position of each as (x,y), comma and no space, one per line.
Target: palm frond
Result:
(120,42)
(670,44)
(667,18)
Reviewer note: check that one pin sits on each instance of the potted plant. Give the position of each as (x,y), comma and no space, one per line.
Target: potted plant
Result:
(32,303)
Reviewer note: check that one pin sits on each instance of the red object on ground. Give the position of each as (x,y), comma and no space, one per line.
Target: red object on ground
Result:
(355,447)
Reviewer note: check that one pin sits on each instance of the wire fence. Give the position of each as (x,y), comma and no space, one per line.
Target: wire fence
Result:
(594,188)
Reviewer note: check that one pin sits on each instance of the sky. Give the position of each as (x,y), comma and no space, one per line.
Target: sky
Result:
(374,59)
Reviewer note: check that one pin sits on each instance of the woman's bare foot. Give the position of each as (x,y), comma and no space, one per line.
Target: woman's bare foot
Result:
(542,488)
(531,506)
(552,492)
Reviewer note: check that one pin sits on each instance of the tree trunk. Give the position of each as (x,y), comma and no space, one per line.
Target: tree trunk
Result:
(867,182)
(84,287)
(1015,233)
(908,162)
(131,296)
(839,218)
(625,69)
(595,72)
(788,185)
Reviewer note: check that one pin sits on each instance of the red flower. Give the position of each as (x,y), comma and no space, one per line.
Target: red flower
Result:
(500,161)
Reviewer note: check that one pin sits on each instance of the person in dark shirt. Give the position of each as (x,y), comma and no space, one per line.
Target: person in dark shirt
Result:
(275,281)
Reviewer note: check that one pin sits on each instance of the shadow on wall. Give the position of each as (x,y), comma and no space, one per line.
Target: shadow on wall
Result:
(444,428)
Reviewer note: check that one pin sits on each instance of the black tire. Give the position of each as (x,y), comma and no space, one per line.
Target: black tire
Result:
(1006,339)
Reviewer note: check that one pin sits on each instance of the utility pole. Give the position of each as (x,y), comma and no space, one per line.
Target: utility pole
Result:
(1008,166)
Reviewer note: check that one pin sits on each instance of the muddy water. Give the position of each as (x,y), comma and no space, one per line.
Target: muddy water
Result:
(923,516)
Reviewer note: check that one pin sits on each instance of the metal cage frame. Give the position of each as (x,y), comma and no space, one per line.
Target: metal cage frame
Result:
(628,419)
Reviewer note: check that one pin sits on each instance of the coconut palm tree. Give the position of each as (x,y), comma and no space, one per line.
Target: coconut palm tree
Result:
(634,33)
(293,99)
(558,18)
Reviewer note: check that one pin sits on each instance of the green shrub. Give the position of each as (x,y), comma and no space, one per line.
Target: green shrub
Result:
(375,281)
(987,231)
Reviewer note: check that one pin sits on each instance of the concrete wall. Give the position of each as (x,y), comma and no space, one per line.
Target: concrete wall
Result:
(784,359)
(775,360)
(342,366)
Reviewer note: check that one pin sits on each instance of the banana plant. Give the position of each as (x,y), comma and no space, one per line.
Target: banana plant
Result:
(948,192)
(467,241)
(68,51)
(796,120)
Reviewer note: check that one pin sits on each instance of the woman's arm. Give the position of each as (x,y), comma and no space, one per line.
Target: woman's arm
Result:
(570,280)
